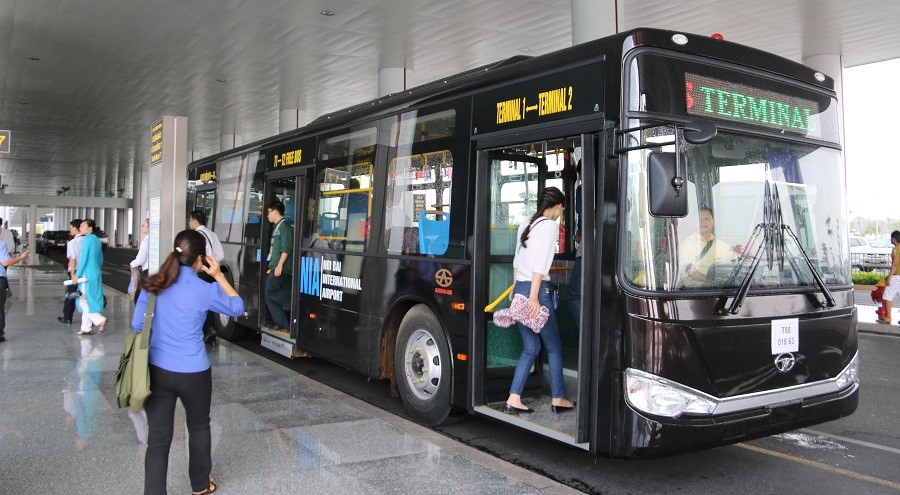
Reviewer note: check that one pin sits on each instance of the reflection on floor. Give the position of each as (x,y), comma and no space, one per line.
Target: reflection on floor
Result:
(273,431)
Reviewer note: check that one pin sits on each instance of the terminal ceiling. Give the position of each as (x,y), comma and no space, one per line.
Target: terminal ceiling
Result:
(83,79)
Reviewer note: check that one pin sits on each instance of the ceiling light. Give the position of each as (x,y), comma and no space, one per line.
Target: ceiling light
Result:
(524,50)
(34,58)
(328,13)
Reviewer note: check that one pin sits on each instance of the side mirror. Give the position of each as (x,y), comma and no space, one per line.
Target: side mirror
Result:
(668,191)
(699,131)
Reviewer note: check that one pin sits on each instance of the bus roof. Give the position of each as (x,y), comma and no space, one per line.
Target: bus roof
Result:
(520,66)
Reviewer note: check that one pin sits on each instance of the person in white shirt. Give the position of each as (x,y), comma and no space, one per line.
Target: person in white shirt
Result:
(141,262)
(7,237)
(197,221)
(536,244)
(73,251)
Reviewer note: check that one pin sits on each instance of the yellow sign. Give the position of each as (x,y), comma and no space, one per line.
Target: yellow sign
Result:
(4,141)
(548,103)
(156,142)
(287,159)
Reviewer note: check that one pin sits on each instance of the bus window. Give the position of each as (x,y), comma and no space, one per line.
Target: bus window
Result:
(344,205)
(233,202)
(417,217)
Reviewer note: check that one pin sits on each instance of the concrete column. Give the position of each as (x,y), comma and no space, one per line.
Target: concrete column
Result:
(109,224)
(32,229)
(290,119)
(166,186)
(121,229)
(100,218)
(833,67)
(393,80)
(230,141)
(592,19)
(139,205)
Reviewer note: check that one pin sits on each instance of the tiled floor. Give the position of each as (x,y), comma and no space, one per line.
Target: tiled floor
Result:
(273,431)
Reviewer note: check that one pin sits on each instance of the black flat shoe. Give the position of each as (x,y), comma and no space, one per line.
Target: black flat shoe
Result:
(561,409)
(508,409)
(63,320)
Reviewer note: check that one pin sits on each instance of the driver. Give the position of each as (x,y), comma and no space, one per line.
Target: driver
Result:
(701,249)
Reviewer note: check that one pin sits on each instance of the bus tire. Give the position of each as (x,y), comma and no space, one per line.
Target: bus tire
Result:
(422,367)
(225,326)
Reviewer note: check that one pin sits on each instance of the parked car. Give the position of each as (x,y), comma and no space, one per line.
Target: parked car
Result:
(52,240)
(875,256)
(104,239)
(858,247)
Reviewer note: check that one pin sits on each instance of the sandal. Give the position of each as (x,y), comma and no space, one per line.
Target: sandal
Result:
(101,327)
(82,332)
(212,488)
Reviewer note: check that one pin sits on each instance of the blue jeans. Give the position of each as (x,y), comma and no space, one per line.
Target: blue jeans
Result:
(277,298)
(531,346)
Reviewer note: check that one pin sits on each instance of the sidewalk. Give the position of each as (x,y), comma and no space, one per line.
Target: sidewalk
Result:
(274,431)
(866,315)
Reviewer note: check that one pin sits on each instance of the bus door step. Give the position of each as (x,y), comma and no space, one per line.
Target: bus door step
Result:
(275,341)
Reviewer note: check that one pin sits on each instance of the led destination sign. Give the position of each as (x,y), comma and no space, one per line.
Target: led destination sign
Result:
(716,98)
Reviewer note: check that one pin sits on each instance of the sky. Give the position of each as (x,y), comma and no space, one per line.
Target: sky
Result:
(870,105)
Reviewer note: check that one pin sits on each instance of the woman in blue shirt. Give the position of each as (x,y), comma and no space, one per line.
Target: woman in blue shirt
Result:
(179,366)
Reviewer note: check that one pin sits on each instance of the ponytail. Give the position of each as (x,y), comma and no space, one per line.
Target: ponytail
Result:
(189,245)
(550,197)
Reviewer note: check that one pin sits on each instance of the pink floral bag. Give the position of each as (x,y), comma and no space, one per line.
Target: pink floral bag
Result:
(516,313)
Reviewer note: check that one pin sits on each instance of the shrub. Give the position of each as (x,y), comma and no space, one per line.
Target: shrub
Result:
(867,278)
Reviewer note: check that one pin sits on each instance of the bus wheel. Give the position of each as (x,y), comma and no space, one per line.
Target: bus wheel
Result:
(225,326)
(422,365)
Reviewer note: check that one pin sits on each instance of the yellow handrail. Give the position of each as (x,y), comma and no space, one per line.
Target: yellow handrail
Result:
(490,307)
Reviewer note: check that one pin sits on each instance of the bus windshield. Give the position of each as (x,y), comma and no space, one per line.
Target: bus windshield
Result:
(736,185)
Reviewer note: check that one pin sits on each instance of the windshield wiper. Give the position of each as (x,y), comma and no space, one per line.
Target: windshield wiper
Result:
(772,244)
(829,299)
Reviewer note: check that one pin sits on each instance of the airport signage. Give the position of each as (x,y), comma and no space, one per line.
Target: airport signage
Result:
(295,154)
(4,141)
(156,142)
(576,92)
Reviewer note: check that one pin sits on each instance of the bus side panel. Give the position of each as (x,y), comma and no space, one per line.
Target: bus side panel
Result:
(331,317)
(437,284)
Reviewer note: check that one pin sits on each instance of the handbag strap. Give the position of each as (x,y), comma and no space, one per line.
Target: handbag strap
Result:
(148,321)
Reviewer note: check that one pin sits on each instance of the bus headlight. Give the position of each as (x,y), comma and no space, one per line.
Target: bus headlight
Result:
(849,375)
(654,395)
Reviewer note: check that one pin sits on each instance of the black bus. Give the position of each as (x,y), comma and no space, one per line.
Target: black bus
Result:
(716,302)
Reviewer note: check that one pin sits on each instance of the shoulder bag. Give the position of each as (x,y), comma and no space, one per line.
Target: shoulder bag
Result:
(133,376)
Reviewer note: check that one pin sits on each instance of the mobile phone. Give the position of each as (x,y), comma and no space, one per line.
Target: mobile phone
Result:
(203,260)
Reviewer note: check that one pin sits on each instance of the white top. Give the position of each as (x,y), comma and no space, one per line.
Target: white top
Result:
(213,246)
(73,247)
(7,237)
(541,246)
(143,257)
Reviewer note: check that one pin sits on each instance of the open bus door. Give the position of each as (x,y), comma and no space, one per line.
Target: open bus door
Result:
(292,192)
(513,177)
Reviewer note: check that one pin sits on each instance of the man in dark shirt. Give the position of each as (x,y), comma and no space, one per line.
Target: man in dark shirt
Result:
(278,278)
